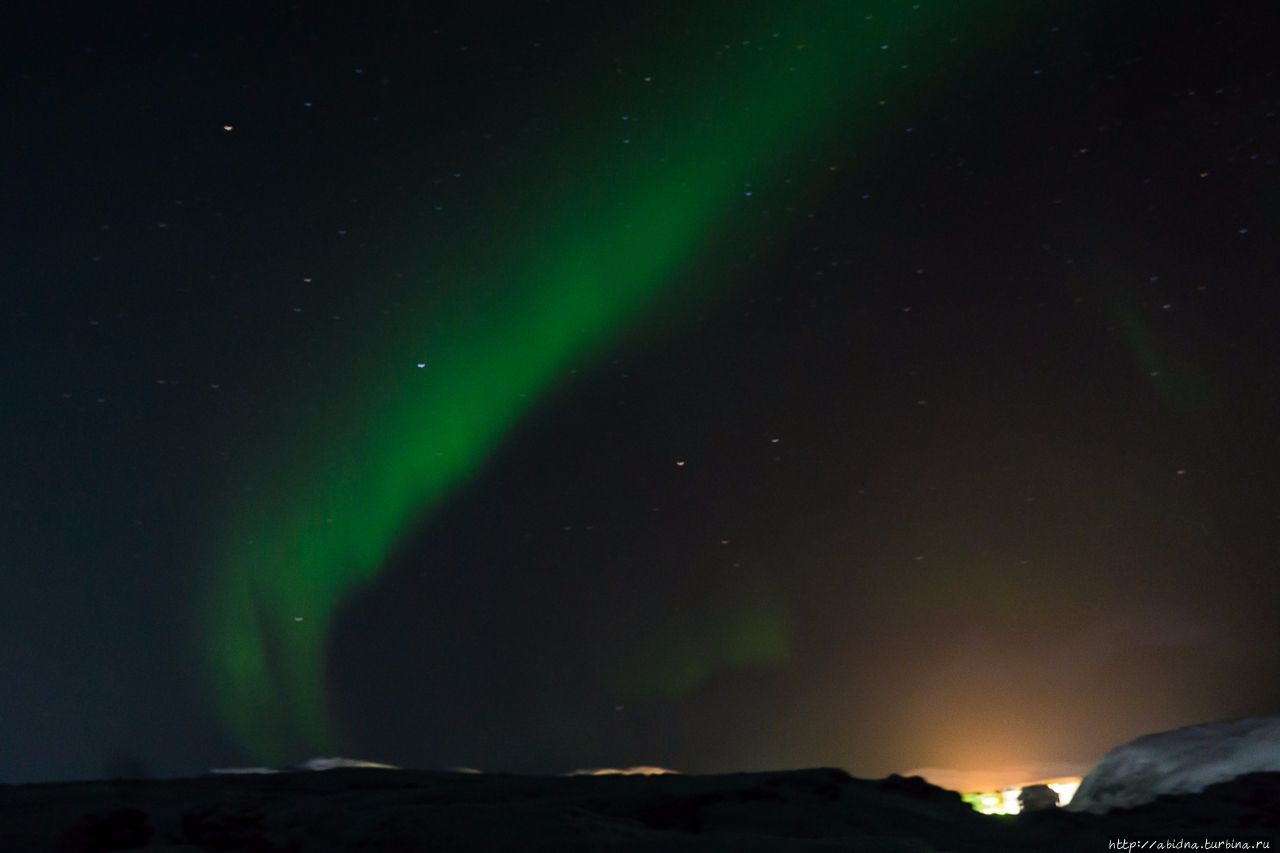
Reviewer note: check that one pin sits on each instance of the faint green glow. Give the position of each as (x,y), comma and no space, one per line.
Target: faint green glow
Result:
(677,656)
(1146,331)
(342,488)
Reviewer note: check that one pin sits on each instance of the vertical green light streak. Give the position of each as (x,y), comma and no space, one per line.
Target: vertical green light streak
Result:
(317,526)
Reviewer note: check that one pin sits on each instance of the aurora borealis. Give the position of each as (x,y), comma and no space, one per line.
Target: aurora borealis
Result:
(608,243)
(712,386)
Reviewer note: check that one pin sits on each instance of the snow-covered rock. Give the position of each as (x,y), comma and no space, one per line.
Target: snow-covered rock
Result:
(309,764)
(639,770)
(1181,761)
(335,763)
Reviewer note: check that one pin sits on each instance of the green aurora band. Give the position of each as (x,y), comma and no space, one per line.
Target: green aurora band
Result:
(591,252)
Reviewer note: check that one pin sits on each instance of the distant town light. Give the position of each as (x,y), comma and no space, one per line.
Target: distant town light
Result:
(1005,801)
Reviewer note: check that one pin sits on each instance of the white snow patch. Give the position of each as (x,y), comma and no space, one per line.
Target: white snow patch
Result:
(641,770)
(310,764)
(336,763)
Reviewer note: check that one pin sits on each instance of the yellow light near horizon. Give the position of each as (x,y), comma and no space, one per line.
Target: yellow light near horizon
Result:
(1005,801)
(1066,790)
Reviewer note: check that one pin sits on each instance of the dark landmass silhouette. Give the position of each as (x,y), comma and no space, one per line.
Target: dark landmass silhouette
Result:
(359,809)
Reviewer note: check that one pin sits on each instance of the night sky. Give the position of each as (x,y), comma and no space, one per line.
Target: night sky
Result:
(714,385)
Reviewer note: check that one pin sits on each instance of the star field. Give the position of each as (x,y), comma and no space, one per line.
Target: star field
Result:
(877,385)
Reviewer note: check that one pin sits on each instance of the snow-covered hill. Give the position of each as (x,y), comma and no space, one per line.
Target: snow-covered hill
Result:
(1180,761)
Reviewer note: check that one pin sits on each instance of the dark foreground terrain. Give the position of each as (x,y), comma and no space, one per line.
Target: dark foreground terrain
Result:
(401,810)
